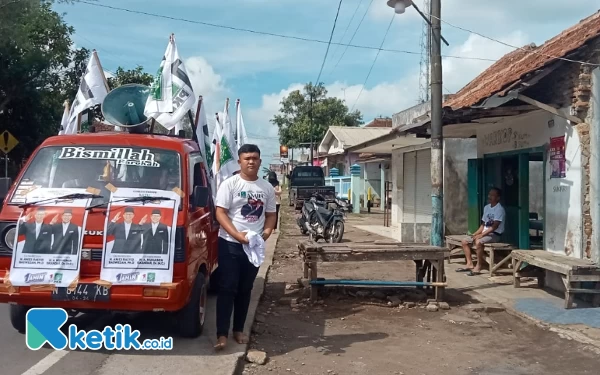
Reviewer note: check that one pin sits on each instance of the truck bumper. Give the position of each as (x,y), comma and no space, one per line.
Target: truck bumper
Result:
(121,297)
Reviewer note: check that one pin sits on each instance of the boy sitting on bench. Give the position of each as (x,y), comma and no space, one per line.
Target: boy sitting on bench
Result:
(490,231)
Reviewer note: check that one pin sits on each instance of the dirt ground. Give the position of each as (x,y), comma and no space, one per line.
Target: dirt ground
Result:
(360,331)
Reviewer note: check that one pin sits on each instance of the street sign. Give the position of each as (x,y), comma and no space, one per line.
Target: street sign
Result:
(7,142)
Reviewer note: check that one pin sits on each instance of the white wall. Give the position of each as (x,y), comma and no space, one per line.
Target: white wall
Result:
(397,184)
(563,219)
(456,191)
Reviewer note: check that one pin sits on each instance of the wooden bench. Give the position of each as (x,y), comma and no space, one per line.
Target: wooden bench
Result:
(454,244)
(429,263)
(574,272)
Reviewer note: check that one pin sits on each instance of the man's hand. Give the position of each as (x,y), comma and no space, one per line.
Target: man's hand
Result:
(241,237)
(116,217)
(54,220)
(267,233)
(143,221)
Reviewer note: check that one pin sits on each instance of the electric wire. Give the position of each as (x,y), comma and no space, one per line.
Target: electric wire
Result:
(304,39)
(329,44)
(351,39)
(347,27)
(374,61)
(510,45)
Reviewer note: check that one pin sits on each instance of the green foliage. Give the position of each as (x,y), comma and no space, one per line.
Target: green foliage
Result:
(294,117)
(35,52)
(124,77)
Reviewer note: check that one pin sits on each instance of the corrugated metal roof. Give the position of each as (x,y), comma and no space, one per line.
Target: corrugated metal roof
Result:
(351,136)
(514,65)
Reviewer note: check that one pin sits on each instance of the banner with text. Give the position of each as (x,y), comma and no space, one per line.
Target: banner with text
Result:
(47,248)
(139,237)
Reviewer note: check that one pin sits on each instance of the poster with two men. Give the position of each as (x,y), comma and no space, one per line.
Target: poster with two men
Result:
(49,240)
(139,237)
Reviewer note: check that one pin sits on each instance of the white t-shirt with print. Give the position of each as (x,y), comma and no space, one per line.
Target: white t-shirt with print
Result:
(491,214)
(246,203)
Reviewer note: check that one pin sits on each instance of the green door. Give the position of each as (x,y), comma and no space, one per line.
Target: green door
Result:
(474,188)
(510,185)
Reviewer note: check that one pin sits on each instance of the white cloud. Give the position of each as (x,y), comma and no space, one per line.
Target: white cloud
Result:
(387,98)
(459,72)
(205,81)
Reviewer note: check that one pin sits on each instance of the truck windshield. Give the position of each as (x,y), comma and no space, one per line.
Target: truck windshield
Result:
(94,166)
(307,172)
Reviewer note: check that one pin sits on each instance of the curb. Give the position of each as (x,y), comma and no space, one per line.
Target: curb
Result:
(562,332)
(257,292)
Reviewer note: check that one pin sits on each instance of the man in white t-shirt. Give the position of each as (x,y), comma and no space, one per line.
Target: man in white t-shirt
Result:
(491,229)
(244,203)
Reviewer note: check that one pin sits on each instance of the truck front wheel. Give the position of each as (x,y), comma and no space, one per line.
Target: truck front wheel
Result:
(17,317)
(190,320)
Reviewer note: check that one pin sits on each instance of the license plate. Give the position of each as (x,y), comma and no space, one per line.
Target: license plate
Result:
(83,292)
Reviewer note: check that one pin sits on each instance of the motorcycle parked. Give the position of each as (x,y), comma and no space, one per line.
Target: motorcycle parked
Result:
(321,222)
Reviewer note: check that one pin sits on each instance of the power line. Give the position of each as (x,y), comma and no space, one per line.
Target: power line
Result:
(304,39)
(348,26)
(515,47)
(351,39)
(329,43)
(374,61)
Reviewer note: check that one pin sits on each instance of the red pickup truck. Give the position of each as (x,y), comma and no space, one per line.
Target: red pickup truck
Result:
(177,165)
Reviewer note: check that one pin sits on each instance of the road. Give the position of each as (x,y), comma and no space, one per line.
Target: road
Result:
(187,356)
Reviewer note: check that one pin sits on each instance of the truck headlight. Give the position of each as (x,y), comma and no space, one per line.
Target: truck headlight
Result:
(9,237)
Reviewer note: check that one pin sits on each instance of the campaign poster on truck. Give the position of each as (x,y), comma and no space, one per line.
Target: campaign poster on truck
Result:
(47,248)
(139,237)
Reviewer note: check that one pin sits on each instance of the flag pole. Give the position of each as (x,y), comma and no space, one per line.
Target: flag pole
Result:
(194,121)
(79,122)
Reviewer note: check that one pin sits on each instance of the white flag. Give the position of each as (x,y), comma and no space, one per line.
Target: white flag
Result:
(241,136)
(215,149)
(92,91)
(64,122)
(171,94)
(228,157)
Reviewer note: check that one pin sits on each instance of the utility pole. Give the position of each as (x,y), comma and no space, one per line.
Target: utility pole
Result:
(312,146)
(437,137)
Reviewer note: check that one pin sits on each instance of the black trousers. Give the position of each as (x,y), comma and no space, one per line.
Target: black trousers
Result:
(276,215)
(235,287)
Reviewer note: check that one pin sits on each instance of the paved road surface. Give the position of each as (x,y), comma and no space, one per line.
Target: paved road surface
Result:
(187,356)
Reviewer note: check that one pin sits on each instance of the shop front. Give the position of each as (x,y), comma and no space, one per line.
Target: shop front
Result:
(535,159)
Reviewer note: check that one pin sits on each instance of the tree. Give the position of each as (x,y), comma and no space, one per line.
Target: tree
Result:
(123,77)
(294,117)
(35,51)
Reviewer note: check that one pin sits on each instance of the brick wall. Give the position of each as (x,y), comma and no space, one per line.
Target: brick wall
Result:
(569,86)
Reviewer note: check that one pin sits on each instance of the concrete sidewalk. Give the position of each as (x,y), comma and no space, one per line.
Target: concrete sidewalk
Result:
(539,306)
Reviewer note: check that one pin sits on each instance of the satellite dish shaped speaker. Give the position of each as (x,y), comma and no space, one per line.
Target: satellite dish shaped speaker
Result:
(124,107)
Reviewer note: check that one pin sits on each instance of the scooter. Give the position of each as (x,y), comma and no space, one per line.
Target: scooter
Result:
(320,222)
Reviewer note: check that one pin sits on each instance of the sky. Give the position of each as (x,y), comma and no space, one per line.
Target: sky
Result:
(261,70)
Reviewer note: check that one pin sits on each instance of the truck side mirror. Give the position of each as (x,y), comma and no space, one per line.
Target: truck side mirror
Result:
(201,195)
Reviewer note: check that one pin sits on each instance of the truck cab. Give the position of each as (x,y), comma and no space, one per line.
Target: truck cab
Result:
(196,235)
(306,181)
